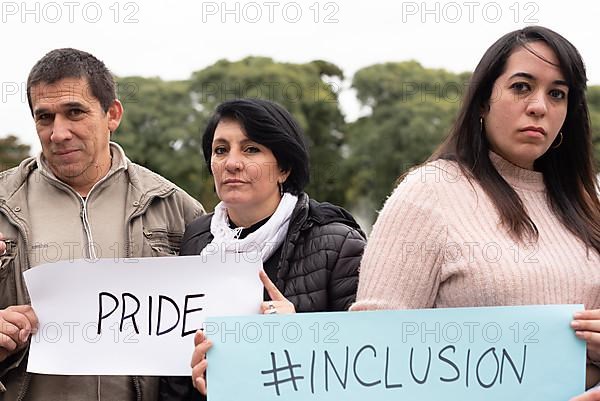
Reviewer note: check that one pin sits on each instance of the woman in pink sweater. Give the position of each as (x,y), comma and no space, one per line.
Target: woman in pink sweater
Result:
(506,211)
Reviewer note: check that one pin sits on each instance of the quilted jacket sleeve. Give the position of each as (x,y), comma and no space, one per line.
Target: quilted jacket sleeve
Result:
(343,279)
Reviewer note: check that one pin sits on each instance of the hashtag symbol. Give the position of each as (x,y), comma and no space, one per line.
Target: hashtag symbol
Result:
(276,379)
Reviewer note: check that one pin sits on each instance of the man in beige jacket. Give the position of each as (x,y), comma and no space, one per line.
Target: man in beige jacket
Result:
(80,198)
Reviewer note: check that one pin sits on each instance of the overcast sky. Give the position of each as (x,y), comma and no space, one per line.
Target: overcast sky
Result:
(173,39)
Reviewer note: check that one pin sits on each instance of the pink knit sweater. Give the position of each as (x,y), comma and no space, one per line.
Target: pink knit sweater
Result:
(438,242)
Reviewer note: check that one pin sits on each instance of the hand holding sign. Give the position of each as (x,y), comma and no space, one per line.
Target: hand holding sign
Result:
(279,303)
(199,363)
(154,308)
(593,395)
(587,327)
(16,324)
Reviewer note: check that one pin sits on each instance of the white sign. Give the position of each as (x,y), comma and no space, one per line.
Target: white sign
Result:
(134,316)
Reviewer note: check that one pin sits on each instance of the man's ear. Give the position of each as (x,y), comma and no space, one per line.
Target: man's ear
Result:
(115,113)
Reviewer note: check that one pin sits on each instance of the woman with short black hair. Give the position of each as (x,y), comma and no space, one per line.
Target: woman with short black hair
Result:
(258,157)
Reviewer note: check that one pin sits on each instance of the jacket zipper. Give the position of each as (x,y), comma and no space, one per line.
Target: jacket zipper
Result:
(24,386)
(26,375)
(88,230)
(138,388)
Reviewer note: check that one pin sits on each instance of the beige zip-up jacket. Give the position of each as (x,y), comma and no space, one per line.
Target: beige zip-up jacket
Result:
(147,217)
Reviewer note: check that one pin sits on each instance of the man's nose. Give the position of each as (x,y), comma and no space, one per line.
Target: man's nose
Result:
(61,129)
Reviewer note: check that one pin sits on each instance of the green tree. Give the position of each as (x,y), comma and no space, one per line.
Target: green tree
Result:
(161,131)
(593,97)
(12,152)
(387,83)
(412,109)
(164,120)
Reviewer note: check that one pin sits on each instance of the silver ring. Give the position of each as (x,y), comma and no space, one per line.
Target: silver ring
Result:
(271,306)
(271,311)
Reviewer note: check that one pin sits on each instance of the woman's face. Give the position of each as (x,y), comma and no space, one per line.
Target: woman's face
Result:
(528,106)
(246,173)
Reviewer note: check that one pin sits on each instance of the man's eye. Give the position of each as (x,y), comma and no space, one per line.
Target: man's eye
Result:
(75,112)
(43,118)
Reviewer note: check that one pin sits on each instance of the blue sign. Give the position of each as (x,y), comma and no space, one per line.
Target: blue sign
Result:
(493,353)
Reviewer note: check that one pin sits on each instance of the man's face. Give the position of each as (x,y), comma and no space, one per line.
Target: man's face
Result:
(74,130)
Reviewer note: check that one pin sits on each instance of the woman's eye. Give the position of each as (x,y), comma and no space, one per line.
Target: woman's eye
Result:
(252,149)
(520,87)
(558,94)
(219,151)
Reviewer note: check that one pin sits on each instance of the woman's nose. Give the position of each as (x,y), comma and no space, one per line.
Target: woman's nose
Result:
(233,161)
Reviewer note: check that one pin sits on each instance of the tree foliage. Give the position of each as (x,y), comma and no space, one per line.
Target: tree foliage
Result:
(593,97)
(164,121)
(412,110)
(12,152)
(161,131)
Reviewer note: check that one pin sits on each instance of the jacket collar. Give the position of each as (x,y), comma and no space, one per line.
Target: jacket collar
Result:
(13,179)
(118,162)
(306,213)
(145,183)
(309,211)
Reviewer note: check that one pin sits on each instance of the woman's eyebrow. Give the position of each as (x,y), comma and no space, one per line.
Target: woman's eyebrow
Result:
(532,78)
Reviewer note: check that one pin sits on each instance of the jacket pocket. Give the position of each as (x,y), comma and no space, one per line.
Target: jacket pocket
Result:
(8,292)
(163,242)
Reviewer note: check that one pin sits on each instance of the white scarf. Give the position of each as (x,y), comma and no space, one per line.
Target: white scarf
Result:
(266,239)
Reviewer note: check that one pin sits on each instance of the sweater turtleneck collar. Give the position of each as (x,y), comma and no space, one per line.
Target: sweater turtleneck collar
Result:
(517,176)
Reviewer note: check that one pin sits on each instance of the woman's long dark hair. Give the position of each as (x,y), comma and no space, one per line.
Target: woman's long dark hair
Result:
(568,169)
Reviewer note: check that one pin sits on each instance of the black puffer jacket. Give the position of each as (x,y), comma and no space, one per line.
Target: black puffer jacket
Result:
(316,266)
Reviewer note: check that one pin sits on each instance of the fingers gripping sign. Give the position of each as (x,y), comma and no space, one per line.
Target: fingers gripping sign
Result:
(16,325)
(587,328)
(279,303)
(199,362)
(592,395)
